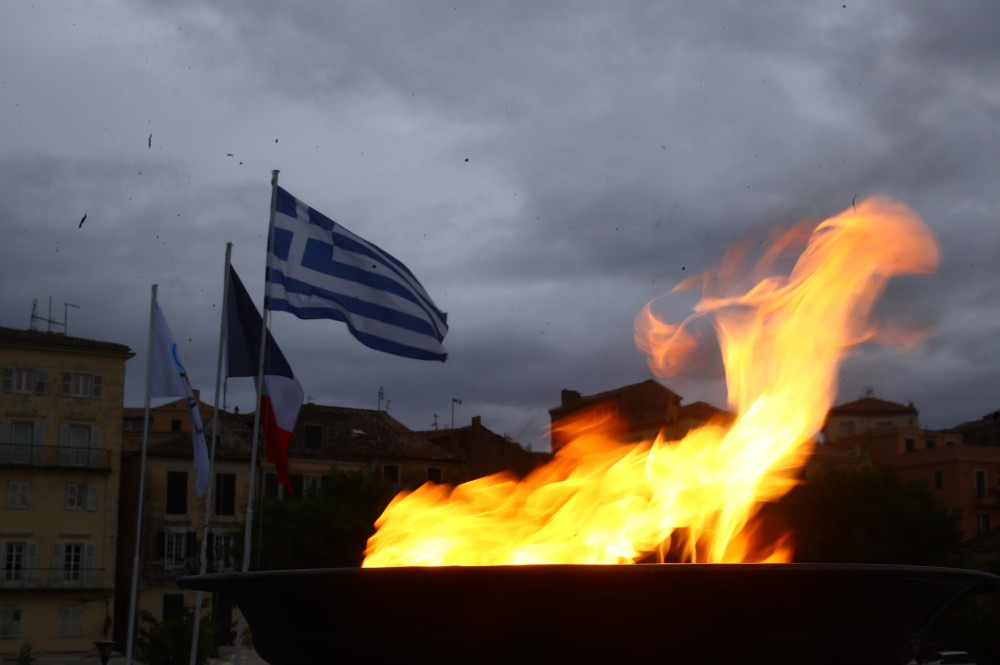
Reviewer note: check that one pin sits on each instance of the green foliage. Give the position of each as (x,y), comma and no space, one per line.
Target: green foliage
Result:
(328,528)
(870,515)
(169,642)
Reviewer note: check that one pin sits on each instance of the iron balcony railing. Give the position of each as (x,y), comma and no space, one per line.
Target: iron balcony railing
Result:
(161,568)
(57,578)
(12,454)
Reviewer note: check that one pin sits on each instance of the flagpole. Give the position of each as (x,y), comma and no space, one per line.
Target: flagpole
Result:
(248,527)
(133,596)
(211,458)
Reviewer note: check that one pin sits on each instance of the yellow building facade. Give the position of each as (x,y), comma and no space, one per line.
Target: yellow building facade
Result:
(174,517)
(60,449)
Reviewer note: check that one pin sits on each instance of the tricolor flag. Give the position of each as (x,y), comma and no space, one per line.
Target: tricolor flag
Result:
(317,269)
(168,378)
(281,395)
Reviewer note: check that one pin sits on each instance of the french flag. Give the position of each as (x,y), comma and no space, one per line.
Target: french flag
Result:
(281,395)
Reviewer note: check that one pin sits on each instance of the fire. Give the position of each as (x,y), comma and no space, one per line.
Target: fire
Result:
(600,501)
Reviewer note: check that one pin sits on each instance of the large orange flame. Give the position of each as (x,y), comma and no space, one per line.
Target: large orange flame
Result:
(600,501)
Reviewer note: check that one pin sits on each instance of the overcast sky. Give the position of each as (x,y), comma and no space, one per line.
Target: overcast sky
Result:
(545,169)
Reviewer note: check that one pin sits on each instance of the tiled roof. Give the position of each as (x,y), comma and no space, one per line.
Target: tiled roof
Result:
(367,434)
(871,406)
(50,340)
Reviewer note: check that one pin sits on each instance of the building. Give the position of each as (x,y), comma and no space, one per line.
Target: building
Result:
(867,414)
(636,412)
(174,517)
(371,441)
(483,451)
(962,472)
(60,445)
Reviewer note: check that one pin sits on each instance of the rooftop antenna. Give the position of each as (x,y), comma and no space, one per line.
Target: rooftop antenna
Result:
(49,321)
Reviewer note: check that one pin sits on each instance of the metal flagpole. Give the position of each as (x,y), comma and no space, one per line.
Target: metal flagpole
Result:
(211,458)
(247,529)
(133,597)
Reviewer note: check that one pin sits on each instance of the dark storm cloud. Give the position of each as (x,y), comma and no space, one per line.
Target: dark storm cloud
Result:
(544,168)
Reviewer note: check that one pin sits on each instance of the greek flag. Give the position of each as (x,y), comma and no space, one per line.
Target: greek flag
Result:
(317,269)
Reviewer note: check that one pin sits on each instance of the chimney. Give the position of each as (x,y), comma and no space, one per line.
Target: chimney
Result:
(477,422)
(570,397)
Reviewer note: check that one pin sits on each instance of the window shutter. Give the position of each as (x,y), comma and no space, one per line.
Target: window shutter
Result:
(41,381)
(95,387)
(95,447)
(89,559)
(57,564)
(72,500)
(38,443)
(31,565)
(161,544)
(8,379)
(190,544)
(12,495)
(67,383)
(91,497)
(5,431)
(64,435)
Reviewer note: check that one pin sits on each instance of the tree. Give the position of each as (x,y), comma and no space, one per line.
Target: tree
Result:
(327,528)
(168,642)
(869,515)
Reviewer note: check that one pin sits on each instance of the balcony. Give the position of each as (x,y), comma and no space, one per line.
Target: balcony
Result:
(54,457)
(164,569)
(28,579)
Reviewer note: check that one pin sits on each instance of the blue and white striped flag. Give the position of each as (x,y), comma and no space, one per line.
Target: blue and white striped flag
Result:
(317,269)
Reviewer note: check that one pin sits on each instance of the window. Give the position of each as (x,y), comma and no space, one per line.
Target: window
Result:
(21,436)
(982,523)
(939,480)
(18,494)
(81,497)
(134,424)
(177,492)
(11,619)
(225,494)
(72,561)
(434,474)
(911,445)
(70,621)
(270,484)
(220,553)
(931,444)
(173,606)
(980,483)
(81,384)
(313,437)
(176,547)
(311,485)
(24,380)
(13,561)
(79,445)
(175,425)
(390,473)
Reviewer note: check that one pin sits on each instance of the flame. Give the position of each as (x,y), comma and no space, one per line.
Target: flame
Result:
(601,501)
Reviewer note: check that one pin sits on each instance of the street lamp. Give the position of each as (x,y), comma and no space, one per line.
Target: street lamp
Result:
(104,649)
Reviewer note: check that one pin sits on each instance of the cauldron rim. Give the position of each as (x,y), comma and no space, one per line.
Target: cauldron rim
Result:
(815,612)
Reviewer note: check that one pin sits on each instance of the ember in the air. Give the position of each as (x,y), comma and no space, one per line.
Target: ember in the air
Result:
(601,501)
